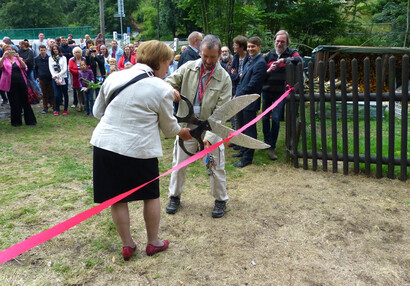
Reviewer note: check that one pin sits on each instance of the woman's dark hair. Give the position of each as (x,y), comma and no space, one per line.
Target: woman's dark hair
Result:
(58,48)
(241,41)
(89,42)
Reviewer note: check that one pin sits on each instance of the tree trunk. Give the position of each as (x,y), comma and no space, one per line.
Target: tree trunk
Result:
(204,12)
(229,22)
(407,25)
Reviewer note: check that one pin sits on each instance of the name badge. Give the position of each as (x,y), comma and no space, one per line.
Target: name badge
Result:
(197,110)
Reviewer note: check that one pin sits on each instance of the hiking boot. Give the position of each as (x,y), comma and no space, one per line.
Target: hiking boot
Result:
(219,209)
(272,155)
(173,205)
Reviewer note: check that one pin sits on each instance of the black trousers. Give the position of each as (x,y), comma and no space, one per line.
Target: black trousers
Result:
(244,117)
(18,99)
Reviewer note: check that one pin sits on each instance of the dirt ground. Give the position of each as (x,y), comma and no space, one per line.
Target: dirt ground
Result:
(285,226)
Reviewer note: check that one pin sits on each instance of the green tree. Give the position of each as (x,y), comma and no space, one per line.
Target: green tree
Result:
(394,12)
(314,22)
(146,14)
(31,13)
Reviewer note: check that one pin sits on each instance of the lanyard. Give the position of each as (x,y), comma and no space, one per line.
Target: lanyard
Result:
(201,90)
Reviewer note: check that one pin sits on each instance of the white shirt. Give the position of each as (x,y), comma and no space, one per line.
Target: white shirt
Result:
(130,125)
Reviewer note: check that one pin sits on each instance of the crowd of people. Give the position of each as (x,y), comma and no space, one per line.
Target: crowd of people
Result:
(54,66)
(137,100)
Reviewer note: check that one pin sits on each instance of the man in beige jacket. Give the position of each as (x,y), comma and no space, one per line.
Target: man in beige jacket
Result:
(207,85)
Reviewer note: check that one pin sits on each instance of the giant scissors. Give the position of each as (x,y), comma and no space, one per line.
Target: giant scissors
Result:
(215,123)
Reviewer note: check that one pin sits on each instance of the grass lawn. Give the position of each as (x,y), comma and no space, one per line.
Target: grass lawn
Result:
(284,226)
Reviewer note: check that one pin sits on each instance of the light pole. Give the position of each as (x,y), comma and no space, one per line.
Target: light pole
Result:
(102,24)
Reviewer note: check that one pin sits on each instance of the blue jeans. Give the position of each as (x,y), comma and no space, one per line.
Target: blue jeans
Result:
(270,133)
(59,92)
(89,101)
(244,117)
(31,77)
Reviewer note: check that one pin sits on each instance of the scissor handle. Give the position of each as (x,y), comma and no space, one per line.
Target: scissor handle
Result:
(195,133)
(190,117)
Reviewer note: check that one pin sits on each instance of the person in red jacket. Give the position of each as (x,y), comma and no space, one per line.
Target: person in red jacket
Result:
(74,68)
(128,56)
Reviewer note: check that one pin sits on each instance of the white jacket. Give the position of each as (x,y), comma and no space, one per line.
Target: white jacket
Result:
(63,67)
(130,125)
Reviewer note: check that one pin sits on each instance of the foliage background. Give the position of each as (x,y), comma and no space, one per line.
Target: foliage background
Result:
(310,22)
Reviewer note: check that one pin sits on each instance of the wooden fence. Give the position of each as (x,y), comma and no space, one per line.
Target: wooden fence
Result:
(314,138)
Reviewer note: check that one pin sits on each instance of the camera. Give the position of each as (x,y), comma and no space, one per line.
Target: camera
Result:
(93,51)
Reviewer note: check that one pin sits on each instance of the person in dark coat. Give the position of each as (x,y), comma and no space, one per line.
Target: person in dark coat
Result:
(274,87)
(251,82)
(43,76)
(192,52)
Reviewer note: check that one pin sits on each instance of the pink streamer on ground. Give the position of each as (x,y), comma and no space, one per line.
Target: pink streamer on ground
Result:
(42,237)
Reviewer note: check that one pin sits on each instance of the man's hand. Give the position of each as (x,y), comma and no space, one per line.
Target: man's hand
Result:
(275,65)
(184,134)
(177,96)
(233,71)
(207,144)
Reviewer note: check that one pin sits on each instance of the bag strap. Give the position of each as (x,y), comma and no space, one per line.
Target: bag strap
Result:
(134,80)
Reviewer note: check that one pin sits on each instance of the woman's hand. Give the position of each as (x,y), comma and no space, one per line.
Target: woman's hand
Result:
(184,134)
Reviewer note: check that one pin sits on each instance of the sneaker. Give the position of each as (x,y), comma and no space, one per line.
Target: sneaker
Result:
(173,205)
(219,209)
(272,155)
(65,112)
(44,111)
(73,106)
(56,112)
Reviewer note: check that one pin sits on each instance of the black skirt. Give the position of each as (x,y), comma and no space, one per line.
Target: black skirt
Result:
(114,174)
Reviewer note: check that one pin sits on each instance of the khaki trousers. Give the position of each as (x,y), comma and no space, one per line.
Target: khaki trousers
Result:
(217,181)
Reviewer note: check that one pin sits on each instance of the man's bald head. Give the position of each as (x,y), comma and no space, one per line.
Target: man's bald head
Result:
(195,39)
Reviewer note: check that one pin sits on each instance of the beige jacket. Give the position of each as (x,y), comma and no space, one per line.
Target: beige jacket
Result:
(218,91)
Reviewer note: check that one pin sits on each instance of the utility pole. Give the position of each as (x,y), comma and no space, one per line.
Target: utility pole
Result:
(120,14)
(102,23)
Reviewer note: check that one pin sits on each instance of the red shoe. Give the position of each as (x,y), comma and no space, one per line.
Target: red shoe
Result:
(65,112)
(127,252)
(151,250)
(56,113)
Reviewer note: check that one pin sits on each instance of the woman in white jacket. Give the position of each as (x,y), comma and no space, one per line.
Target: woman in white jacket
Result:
(127,141)
(57,64)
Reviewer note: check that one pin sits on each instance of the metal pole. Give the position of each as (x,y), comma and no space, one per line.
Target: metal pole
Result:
(121,27)
(102,24)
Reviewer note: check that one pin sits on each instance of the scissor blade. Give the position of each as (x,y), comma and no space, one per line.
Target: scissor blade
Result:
(240,139)
(232,107)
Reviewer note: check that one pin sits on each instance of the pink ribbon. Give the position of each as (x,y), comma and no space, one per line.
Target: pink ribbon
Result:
(41,237)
